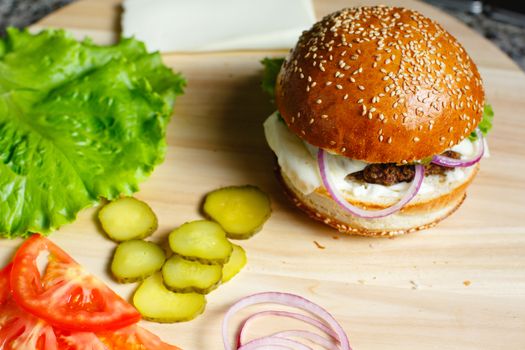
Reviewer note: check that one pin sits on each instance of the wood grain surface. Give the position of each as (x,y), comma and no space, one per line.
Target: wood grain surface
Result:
(460,285)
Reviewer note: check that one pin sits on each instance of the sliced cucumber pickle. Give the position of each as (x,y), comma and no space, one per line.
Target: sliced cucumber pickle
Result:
(135,260)
(201,240)
(127,218)
(156,303)
(235,264)
(181,275)
(240,210)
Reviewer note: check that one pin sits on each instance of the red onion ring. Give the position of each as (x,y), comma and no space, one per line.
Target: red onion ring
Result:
(314,337)
(312,321)
(452,163)
(275,343)
(287,300)
(363,213)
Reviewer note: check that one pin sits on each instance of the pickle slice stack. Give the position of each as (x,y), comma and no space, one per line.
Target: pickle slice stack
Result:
(201,257)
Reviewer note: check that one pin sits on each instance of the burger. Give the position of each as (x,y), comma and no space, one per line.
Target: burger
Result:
(377,129)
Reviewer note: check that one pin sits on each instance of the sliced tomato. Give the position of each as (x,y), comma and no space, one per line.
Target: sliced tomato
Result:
(79,341)
(134,337)
(5,289)
(21,331)
(66,296)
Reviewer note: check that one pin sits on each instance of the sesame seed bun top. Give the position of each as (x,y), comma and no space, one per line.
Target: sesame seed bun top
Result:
(380,84)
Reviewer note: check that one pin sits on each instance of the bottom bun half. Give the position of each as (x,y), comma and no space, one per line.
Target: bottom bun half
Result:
(419,215)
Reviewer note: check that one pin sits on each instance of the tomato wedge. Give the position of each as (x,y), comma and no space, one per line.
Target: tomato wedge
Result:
(18,329)
(67,296)
(79,341)
(21,331)
(5,289)
(134,338)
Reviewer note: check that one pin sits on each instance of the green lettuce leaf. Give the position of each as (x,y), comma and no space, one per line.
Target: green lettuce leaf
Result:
(486,122)
(77,122)
(272,66)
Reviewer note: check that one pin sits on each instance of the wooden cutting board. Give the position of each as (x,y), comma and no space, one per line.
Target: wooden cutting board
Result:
(460,285)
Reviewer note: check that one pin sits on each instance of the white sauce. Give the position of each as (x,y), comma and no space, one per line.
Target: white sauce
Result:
(298,160)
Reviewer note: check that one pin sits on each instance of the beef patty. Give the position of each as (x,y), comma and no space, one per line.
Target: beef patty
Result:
(388,174)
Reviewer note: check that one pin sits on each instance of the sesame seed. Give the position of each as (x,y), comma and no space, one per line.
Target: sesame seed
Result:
(319,101)
(339,87)
(324,116)
(361,87)
(311,121)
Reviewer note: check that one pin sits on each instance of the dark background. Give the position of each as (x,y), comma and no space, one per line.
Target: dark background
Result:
(501,21)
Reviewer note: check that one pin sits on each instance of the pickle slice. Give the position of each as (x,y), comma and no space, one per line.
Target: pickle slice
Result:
(235,264)
(127,218)
(135,260)
(201,240)
(240,210)
(185,276)
(156,303)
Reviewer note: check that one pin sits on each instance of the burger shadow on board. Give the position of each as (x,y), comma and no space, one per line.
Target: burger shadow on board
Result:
(240,137)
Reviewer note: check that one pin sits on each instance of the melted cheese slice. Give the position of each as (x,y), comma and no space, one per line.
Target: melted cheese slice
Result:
(214,25)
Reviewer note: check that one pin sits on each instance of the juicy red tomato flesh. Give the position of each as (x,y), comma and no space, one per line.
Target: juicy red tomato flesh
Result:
(134,337)
(20,330)
(66,296)
(5,289)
